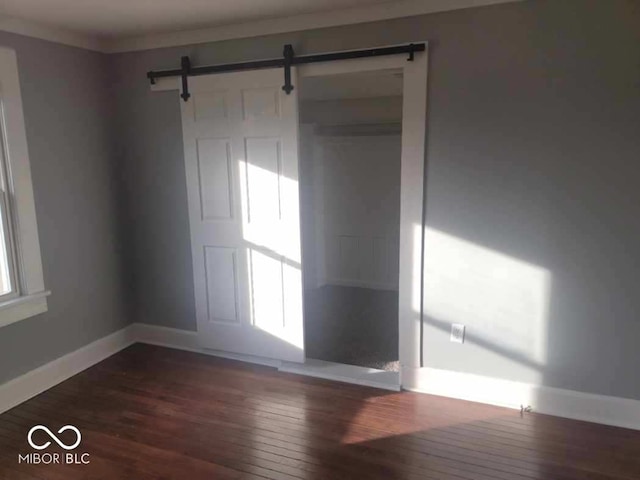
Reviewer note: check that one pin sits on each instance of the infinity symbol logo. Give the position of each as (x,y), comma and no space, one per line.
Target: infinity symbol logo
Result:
(54,438)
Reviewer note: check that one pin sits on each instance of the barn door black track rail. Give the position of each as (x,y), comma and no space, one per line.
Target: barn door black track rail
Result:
(287,61)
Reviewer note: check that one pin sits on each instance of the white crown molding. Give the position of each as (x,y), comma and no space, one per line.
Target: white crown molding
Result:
(57,35)
(371,13)
(333,18)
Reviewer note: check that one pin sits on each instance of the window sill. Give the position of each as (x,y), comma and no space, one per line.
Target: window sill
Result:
(23,307)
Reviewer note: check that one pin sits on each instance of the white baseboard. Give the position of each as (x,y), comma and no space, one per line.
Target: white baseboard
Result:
(188,340)
(619,412)
(32,383)
(339,372)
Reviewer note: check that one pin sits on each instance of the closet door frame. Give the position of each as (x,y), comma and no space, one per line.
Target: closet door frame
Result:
(412,194)
(412,191)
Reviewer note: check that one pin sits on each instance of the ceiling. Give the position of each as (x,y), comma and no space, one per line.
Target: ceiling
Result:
(121,25)
(125,18)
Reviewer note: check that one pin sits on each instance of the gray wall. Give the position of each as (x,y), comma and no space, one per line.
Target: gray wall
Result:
(533,149)
(65,93)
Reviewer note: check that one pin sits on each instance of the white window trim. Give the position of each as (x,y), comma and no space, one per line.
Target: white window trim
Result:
(31,299)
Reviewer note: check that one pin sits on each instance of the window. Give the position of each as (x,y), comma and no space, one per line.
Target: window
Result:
(22,292)
(7,253)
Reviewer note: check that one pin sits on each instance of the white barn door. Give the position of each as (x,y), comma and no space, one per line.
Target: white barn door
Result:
(240,134)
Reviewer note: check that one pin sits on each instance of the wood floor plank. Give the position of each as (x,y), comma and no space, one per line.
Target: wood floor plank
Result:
(151,412)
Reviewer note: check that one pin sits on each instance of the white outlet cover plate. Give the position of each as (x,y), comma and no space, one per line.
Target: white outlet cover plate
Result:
(457,333)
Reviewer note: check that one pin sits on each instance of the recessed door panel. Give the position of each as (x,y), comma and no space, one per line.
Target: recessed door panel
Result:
(260,103)
(210,106)
(263,172)
(221,283)
(215,178)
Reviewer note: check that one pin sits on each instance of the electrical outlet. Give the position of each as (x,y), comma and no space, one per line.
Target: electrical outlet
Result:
(457,333)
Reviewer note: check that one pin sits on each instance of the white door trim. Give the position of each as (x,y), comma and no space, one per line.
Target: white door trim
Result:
(414,128)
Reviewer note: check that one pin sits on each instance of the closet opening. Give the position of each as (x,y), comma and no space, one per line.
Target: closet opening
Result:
(350,157)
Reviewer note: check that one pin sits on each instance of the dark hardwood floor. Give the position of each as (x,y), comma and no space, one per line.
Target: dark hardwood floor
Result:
(156,413)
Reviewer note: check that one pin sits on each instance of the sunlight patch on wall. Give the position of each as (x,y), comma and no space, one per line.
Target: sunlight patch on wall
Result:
(503,301)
